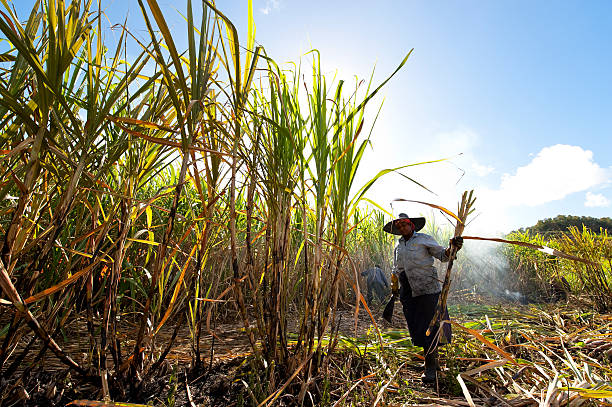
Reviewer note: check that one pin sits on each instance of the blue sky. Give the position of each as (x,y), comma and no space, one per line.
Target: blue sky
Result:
(520,88)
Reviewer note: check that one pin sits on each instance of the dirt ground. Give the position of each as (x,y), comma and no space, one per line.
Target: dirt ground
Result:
(224,351)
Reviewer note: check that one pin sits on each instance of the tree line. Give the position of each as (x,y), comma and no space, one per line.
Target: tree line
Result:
(562,223)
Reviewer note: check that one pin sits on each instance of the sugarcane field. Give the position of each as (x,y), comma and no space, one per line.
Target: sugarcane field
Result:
(277,203)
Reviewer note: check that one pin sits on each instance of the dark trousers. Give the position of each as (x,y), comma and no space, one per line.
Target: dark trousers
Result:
(376,290)
(419,312)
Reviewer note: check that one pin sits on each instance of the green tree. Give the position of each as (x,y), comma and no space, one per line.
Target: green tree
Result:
(561,223)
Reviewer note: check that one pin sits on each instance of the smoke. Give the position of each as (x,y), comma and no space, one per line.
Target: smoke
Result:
(482,270)
(516,296)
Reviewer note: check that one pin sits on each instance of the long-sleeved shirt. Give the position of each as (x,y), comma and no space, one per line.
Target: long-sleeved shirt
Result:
(375,275)
(415,258)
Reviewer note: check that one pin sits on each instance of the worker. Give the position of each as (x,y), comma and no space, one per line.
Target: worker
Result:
(377,284)
(420,287)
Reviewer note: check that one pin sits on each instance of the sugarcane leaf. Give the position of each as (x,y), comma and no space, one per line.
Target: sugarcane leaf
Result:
(486,342)
(441,208)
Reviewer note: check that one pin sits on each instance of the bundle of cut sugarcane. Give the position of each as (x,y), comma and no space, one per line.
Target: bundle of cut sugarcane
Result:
(465,208)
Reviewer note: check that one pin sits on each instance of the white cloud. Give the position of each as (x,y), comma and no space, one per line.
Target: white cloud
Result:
(447,179)
(463,141)
(482,170)
(596,200)
(270,5)
(554,173)
(456,141)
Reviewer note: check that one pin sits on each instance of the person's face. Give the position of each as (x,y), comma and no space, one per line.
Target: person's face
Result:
(405,228)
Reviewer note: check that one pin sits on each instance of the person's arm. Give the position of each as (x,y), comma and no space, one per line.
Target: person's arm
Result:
(397,266)
(443,253)
(435,249)
(395,271)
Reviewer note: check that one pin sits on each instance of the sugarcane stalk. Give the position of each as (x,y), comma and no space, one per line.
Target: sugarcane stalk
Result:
(9,290)
(465,208)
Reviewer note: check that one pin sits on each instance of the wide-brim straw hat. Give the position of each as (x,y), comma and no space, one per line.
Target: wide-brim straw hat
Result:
(390,226)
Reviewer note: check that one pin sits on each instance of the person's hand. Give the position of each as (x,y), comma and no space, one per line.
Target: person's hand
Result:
(394,284)
(457,241)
